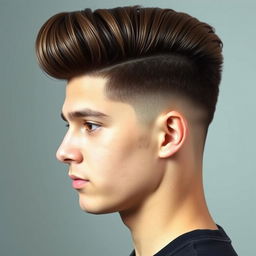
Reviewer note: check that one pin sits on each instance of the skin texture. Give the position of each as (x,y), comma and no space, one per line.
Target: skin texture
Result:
(150,172)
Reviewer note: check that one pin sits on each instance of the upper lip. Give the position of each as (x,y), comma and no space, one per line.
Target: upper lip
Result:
(75,177)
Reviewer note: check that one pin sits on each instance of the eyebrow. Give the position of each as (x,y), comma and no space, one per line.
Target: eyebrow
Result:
(87,112)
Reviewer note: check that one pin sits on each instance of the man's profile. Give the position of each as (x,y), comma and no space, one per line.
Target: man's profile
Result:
(142,86)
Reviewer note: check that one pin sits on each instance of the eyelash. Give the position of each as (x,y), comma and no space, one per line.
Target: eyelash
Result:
(86,124)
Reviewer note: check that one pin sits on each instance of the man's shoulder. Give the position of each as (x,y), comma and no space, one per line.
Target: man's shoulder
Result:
(199,242)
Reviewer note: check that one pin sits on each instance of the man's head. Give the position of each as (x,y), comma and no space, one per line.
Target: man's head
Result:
(155,74)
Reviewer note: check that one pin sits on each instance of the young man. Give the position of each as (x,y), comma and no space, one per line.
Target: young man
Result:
(142,85)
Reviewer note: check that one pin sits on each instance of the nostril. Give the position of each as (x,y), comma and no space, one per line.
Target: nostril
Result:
(67,160)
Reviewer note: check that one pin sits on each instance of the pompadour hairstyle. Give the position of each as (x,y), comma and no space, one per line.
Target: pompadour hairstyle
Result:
(141,50)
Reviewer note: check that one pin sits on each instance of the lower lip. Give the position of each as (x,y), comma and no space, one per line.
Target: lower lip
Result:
(79,183)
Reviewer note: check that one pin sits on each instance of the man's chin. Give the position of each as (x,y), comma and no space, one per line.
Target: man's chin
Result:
(95,209)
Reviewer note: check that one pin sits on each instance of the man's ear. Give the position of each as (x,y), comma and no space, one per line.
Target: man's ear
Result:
(173,133)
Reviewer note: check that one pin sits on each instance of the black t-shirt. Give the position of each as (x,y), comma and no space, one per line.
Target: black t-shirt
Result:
(199,242)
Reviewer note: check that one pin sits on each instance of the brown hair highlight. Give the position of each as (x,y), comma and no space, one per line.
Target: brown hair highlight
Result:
(141,50)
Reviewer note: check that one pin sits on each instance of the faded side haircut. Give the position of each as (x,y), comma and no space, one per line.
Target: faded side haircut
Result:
(142,51)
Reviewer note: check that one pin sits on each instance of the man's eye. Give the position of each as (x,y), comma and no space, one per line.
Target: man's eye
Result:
(90,127)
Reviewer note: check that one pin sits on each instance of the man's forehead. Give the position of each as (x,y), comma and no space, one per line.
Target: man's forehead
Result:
(85,91)
(86,82)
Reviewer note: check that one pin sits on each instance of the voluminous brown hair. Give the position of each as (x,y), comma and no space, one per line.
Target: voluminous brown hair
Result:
(141,50)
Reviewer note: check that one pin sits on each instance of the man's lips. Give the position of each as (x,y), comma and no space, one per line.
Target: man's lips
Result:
(76,177)
(78,182)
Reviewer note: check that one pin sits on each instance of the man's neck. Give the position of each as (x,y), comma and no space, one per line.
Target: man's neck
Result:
(164,216)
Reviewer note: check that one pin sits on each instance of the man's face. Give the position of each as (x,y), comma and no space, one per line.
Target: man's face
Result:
(115,153)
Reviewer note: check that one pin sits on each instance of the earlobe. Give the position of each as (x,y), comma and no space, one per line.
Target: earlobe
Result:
(174,132)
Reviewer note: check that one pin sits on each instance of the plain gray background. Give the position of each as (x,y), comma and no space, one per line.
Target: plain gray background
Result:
(40,214)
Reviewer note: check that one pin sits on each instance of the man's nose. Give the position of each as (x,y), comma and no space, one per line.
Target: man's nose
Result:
(67,153)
